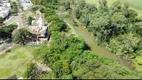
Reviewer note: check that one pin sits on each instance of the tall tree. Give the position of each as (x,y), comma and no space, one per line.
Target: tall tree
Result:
(21,36)
(103,5)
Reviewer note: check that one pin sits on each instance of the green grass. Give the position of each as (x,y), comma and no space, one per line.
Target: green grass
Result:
(14,62)
(134,4)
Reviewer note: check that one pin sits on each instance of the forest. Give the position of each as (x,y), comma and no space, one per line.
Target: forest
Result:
(117,28)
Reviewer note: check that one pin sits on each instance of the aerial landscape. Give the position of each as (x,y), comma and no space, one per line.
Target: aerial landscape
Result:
(70,39)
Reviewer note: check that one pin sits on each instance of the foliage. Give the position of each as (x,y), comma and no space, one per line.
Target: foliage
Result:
(1,20)
(139,60)
(48,3)
(58,25)
(30,19)
(69,58)
(21,36)
(30,73)
(126,44)
(6,31)
(14,8)
(109,24)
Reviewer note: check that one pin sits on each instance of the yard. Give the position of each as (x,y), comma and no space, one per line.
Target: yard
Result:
(14,61)
(135,4)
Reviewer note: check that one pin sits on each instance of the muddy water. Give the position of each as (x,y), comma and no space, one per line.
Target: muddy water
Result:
(82,32)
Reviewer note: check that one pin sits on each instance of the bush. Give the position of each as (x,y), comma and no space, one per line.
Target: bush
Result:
(139,60)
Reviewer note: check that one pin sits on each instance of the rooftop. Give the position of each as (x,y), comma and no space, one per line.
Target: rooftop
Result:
(5,7)
(39,28)
(26,4)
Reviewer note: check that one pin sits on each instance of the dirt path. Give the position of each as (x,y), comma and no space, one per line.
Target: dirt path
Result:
(9,47)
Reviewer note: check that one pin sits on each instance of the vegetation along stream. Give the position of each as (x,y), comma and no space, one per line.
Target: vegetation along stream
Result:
(82,32)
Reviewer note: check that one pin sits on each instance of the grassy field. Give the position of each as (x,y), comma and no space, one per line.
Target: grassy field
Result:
(14,62)
(134,4)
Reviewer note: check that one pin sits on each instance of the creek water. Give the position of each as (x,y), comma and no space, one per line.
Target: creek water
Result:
(89,39)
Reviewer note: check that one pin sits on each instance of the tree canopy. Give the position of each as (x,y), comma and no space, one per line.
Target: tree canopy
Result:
(109,24)
(69,57)
(6,31)
(21,36)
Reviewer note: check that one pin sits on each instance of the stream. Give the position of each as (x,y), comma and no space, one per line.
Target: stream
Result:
(89,39)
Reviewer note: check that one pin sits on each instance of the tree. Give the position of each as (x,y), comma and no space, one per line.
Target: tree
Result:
(80,3)
(116,7)
(66,5)
(69,57)
(91,8)
(14,8)
(77,13)
(100,26)
(131,15)
(30,19)
(118,23)
(21,36)
(1,20)
(58,26)
(139,60)
(52,18)
(103,5)
(6,31)
(53,4)
(30,73)
(125,45)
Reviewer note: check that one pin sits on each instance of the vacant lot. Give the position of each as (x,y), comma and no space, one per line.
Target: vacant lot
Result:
(135,4)
(14,61)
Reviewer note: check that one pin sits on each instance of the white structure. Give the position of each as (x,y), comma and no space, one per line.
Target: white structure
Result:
(25,4)
(5,8)
(40,21)
(40,28)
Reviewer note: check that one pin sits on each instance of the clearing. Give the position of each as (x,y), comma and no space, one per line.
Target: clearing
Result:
(14,61)
(134,4)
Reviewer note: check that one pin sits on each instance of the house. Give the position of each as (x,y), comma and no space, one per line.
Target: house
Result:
(39,31)
(5,8)
(26,4)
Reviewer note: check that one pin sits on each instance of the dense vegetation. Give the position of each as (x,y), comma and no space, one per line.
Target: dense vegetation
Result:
(6,31)
(14,8)
(21,36)
(116,27)
(134,4)
(69,57)
(30,19)
(47,3)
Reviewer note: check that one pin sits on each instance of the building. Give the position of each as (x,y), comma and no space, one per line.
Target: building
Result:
(5,8)
(39,30)
(26,4)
